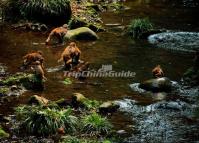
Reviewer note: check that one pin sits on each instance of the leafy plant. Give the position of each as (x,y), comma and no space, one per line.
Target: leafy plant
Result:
(94,124)
(4,90)
(67,81)
(91,104)
(45,121)
(139,26)
(72,139)
(3,134)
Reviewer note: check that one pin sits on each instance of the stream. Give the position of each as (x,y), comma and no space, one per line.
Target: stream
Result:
(144,118)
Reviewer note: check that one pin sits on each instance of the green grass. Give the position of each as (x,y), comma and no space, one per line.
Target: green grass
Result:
(73,139)
(94,124)
(139,26)
(3,134)
(40,10)
(4,90)
(38,120)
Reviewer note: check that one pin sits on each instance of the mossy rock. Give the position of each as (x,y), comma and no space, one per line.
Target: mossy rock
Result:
(157,85)
(79,100)
(77,22)
(108,107)
(3,134)
(35,99)
(63,102)
(82,33)
(3,91)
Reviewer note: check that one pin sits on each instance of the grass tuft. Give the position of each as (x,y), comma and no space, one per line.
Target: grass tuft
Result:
(139,26)
(94,124)
(38,120)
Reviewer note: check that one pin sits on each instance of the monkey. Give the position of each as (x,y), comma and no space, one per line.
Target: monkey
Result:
(38,70)
(32,57)
(58,32)
(158,72)
(70,55)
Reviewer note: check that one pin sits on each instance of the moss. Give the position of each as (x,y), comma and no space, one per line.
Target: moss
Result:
(77,22)
(116,6)
(15,79)
(4,90)
(67,81)
(80,100)
(82,33)
(3,134)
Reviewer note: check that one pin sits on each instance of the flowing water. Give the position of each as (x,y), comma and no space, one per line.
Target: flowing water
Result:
(113,48)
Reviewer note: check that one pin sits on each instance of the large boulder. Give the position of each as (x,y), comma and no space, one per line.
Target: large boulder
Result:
(157,85)
(82,33)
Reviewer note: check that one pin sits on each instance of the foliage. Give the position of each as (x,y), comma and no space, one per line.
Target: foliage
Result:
(15,79)
(94,124)
(41,10)
(91,104)
(3,134)
(67,81)
(72,139)
(45,121)
(4,90)
(139,26)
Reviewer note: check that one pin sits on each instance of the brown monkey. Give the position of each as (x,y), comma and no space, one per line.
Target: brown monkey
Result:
(37,68)
(32,57)
(70,55)
(157,72)
(58,32)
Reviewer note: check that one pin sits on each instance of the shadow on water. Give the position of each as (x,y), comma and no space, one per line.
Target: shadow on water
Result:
(113,49)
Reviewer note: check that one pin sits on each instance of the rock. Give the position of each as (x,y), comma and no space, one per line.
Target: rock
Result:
(78,98)
(95,7)
(35,99)
(82,33)
(157,85)
(78,22)
(3,134)
(2,70)
(108,107)
(13,88)
(62,102)
(146,34)
(121,132)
